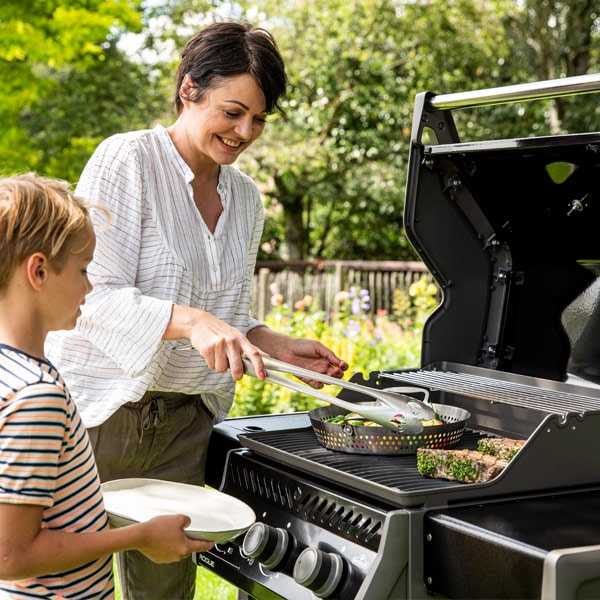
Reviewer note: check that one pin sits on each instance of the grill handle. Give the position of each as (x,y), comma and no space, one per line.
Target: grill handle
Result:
(552,88)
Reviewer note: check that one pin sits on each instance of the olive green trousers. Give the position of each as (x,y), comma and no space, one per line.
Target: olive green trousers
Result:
(163,436)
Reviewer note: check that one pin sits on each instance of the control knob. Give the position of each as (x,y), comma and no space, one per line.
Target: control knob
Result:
(271,546)
(319,571)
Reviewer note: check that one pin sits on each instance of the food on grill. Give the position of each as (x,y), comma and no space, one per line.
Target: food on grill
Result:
(504,448)
(355,419)
(363,437)
(467,466)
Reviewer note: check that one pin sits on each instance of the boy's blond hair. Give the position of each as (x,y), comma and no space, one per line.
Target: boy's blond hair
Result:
(38,214)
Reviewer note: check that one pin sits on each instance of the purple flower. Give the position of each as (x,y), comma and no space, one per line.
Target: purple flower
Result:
(365,300)
(352,329)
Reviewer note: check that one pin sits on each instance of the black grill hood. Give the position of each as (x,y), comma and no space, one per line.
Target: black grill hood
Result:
(509,229)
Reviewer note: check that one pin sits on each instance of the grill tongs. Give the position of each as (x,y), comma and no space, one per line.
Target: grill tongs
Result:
(396,411)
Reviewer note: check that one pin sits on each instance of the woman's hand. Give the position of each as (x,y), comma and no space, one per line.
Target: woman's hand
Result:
(305,353)
(219,344)
(222,346)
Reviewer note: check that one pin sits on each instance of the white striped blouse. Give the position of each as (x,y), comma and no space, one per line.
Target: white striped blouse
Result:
(155,252)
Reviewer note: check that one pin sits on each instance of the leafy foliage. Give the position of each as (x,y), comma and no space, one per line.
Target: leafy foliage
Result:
(333,173)
(368,342)
(335,165)
(112,95)
(63,84)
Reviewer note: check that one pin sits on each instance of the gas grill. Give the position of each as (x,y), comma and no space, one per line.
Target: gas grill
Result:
(508,230)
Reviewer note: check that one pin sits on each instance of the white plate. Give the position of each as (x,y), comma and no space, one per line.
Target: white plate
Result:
(215,516)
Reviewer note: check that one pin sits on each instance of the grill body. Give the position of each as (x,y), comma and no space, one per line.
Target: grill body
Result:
(506,545)
(508,230)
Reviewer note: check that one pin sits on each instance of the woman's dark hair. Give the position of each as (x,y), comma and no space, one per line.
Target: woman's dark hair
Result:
(224,50)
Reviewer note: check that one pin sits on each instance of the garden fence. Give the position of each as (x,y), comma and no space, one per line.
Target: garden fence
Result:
(324,279)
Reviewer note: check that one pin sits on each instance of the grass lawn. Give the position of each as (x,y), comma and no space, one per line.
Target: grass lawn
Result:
(208,587)
(211,587)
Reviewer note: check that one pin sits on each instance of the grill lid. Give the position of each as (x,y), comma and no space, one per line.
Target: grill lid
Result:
(508,229)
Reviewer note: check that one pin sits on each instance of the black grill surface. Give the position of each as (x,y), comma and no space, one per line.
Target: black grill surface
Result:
(561,453)
(391,479)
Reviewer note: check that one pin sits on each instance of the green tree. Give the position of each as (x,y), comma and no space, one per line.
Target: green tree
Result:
(334,173)
(112,95)
(53,111)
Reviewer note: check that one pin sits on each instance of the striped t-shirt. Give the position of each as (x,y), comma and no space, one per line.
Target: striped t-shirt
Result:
(46,459)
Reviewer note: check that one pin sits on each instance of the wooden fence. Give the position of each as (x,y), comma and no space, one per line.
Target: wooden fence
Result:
(324,279)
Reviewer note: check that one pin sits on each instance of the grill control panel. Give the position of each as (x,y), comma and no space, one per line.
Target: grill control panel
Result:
(307,542)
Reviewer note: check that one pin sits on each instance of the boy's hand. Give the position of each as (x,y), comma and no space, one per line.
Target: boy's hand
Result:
(166,541)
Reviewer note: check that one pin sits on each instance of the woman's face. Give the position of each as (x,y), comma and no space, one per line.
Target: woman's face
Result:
(224,123)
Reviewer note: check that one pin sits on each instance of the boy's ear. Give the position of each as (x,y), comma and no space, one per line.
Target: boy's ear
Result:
(37,270)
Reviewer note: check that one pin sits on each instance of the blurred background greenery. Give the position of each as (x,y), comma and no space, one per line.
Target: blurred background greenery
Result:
(332,175)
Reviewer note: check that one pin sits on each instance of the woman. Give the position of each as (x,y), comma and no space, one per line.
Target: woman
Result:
(175,265)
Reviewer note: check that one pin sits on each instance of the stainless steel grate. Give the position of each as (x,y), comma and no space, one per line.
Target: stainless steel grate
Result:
(496,389)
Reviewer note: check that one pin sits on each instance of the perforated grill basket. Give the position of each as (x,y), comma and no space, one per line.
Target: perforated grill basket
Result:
(360,439)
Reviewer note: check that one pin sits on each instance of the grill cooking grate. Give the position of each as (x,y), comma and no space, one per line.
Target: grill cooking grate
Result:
(391,479)
(513,393)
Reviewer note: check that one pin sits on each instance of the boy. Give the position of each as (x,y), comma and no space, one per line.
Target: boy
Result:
(55,541)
